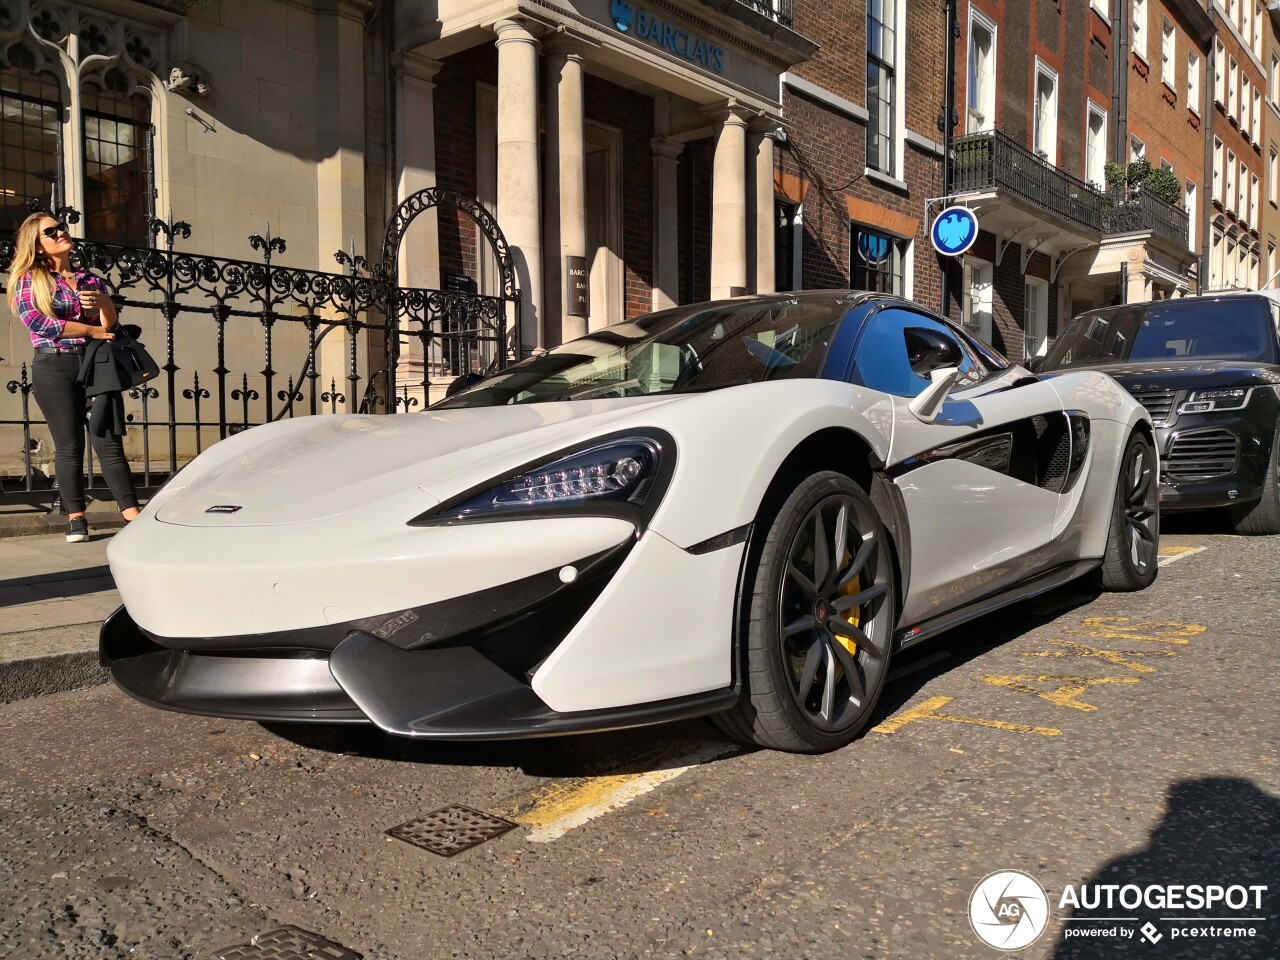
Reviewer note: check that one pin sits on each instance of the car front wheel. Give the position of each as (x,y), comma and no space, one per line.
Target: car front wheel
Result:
(1133,542)
(820,617)
(1263,517)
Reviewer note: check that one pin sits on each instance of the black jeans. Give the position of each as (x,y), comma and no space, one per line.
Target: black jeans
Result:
(61,399)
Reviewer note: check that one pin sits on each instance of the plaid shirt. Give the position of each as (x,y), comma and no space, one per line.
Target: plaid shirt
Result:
(46,331)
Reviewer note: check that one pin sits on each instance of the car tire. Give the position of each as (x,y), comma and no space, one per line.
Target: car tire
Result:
(1263,518)
(1133,541)
(817,618)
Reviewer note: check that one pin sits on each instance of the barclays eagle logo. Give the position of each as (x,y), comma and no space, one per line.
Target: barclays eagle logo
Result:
(622,15)
(953,231)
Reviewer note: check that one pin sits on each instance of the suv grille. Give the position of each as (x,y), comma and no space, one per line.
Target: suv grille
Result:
(1208,453)
(1159,403)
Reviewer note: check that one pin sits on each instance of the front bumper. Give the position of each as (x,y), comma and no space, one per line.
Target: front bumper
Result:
(1214,460)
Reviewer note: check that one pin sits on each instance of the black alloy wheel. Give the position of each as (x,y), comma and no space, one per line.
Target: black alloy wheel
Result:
(821,617)
(1133,544)
(1263,518)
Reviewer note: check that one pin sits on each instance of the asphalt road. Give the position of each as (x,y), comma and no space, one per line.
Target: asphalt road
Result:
(1115,739)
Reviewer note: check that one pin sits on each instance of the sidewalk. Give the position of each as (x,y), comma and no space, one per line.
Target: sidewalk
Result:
(54,596)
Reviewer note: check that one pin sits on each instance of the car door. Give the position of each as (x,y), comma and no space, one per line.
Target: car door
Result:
(978,482)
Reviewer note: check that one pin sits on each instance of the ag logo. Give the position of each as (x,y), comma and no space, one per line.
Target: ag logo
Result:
(1009,910)
(621,15)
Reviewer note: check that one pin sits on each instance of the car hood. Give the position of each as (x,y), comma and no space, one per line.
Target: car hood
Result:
(1184,374)
(317,467)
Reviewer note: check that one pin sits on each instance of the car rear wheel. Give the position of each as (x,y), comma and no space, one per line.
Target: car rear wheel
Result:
(1133,544)
(1264,516)
(820,611)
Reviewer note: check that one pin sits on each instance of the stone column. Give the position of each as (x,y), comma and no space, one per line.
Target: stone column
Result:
(729,208)
(761,269)
(519,193)
(565,233)
(666,222)
(419,260)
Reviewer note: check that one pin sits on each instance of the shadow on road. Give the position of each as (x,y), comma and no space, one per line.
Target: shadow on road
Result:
(63,584)
(1216,831)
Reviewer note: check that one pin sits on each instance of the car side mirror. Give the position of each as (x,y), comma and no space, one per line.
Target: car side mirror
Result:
(1035,364)
(930,350)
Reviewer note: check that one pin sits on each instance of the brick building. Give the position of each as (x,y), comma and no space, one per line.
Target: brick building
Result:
(1269,219)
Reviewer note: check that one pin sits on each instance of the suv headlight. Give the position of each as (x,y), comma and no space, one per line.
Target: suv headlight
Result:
(613,476)
(1213,401)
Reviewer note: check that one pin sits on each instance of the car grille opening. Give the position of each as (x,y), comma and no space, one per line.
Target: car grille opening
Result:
(1159,403)
(1208,453)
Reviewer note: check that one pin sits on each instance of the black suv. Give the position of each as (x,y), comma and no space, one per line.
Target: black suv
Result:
(1208,371)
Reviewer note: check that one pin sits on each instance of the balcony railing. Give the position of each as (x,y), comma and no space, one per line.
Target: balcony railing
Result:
(995,161)
(1142,211)
(780,10)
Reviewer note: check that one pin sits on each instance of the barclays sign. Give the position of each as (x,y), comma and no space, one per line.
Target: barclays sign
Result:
(662,33)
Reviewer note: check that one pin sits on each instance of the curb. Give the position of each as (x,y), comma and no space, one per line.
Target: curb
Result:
(57,673)
(39,525)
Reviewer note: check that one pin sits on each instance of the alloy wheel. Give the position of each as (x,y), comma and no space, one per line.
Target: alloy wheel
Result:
(834,621)
(1140,510)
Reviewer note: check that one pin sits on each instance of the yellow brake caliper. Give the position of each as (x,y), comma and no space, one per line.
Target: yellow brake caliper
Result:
(854,616)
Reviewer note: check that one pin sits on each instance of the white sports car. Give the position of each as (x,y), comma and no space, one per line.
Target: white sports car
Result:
(741,508)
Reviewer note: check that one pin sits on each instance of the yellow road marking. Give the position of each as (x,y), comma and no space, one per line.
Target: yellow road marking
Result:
(929,711)
(1119,658)
(1065,694)
(559,807)
(1171,554)
(1122,628)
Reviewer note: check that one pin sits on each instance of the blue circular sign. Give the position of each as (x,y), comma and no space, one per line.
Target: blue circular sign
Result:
(954,231)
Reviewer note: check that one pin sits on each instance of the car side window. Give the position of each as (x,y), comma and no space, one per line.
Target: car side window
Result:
(882,360)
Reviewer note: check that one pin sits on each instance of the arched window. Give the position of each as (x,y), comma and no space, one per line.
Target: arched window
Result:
(118,182)
(30,136)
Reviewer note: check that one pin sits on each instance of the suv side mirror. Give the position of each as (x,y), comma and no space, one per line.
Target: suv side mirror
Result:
(929,350)
(1035,364)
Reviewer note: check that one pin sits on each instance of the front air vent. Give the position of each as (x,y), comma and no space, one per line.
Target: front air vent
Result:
(1159,403)
(1207,453)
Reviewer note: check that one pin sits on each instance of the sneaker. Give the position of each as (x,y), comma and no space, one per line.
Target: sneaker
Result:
(77,530)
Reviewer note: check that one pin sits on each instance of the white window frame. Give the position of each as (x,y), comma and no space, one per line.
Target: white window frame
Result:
(977,299)
(1137,149)
(1271,265)
(985,118)
(1168,54)
(1035,316)
(1217,191)
(1258,14)
(1255,118)
(1243,202)
(1191,203)
(1246,110)
(1193,82)
(1103,7)
(1039,143)
(1229,198)
(1219,74)
(1273,175)
(1096,160)
(1140,28)
(1254,193)
(1233,88)
(1273,81)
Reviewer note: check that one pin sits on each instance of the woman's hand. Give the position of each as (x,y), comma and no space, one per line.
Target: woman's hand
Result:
(100,333)
(91,300)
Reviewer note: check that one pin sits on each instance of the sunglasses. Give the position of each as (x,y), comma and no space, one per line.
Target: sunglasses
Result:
(52,232)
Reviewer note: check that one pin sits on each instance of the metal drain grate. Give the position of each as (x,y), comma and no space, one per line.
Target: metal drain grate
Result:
(287,943)
(451,830)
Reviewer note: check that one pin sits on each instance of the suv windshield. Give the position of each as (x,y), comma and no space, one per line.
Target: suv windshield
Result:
(676,351)
(1227,328)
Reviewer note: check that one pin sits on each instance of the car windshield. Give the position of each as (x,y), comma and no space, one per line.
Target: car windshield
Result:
(676,351)
(1227,328)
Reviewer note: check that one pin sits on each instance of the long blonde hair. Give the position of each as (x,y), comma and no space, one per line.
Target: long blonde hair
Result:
(28,258)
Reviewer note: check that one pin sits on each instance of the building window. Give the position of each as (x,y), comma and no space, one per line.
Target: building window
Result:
(1168,51)
(1103,7)
(1217,170)
(1273,172)
(1140,28)
(877,261)
(1245,115)
(30,137)
(1046,127)
(1242,202)
(118,196)
(1253,198)
(1095,146)
(787,245)
(1035,316)
(1273,81)
(1219,78)
(1255,121)
(1230,198)
(982,73)
(1189,201)
(1271,265)
(882,53)
(1257,30)
(1233,84)
(1193,82)
(975,309)
(1137,149)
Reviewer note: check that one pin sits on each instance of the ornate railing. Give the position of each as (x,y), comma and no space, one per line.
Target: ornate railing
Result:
(243,342)
(1141,211)
(781,10)
(995,161)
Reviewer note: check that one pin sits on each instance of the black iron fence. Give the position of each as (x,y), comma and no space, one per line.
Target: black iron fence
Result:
(995,161)
(245,342)
(781,10)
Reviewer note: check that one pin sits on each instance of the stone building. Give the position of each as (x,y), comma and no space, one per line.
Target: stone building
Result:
(1269,220)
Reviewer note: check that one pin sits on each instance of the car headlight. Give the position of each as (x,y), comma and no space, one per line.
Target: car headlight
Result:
(1213,401)
(617,475)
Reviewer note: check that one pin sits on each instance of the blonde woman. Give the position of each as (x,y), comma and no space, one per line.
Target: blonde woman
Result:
(63,308)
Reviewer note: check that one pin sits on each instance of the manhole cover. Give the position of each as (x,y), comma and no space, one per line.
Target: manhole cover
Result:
(451,830)
(287,943)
